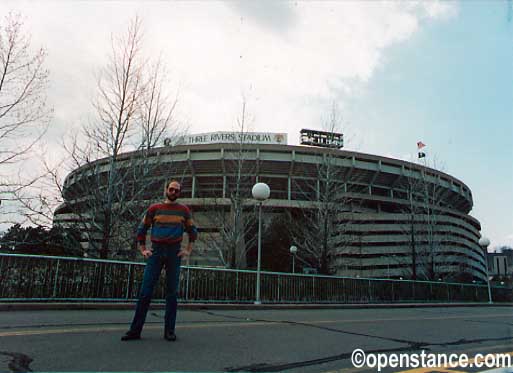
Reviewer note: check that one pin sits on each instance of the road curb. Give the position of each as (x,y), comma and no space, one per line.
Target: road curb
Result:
(53,306)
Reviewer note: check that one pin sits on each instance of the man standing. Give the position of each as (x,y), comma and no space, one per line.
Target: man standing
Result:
(168,221)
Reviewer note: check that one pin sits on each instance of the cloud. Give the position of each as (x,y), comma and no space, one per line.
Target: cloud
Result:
(276,15)
(507,240)
(289,58)
(329,48)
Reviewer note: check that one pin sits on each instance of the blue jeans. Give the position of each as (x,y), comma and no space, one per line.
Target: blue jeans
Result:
(163,256)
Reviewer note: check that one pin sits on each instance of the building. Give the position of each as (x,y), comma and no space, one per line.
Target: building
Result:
(395,213)
(500,267)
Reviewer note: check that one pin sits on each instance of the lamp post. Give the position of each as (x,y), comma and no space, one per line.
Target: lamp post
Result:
(484,242)
(260,192)
(388,265)
(293,251)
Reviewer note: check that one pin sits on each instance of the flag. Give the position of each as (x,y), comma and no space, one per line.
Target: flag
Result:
(422,155)
(420,145)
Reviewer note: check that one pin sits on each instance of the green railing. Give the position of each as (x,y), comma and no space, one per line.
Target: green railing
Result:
(45,278)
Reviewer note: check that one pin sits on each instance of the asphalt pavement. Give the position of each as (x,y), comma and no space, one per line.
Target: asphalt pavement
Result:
(254,340)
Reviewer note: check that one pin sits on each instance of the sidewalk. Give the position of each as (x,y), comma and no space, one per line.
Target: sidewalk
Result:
(41,306)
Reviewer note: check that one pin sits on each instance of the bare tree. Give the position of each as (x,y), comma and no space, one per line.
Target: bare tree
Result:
(86,198)
(322,232)
(119,87)
(23,83)
(24,114)
(157,109)
(424,227)
(132,113)
(233,213)
(38,198)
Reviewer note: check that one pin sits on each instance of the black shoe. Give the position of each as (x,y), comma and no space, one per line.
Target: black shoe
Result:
(130,336)
(170,336)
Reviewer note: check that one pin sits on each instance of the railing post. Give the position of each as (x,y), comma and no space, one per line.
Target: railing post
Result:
(237,285)
(54,293)
(187,281)
(295,287)
(343,291)
(313,289)
(128,282)
(279,286)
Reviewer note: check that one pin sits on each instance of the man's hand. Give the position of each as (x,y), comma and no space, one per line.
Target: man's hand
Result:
(185,252)
(145,252)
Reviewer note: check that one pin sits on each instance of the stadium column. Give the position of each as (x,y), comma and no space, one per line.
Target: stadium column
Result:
(289,188)
(193,174)
(224,186)
(289,178)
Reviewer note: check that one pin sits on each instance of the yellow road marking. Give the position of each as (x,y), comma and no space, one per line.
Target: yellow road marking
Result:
(225,324)
(96,329)
(343,370)
(482,348)
(412,318)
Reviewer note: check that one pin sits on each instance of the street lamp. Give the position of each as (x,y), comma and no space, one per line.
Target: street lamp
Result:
(388,265)
(484,242)
(293,251)
(260,192)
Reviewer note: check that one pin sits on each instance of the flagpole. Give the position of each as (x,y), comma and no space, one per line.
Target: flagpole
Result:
(420,153)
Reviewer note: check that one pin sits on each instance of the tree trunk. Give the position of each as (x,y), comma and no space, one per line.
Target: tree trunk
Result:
(413,250)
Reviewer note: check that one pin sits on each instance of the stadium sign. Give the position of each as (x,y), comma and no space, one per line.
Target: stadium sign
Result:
(230,137)
(322,139)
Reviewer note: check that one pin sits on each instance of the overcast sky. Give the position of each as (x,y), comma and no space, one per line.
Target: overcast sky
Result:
(401,72)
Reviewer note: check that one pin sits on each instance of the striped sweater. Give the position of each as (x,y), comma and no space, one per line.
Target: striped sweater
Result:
(168,221)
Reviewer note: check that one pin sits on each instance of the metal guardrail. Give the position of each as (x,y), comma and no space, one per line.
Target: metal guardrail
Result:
(44,278)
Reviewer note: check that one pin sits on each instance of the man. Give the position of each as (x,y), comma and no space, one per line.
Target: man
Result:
(168,221)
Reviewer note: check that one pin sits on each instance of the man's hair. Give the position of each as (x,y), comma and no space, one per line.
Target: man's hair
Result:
(173,181)
(167,186)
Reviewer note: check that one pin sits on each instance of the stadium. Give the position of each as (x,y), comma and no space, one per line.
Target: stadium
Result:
(393,218)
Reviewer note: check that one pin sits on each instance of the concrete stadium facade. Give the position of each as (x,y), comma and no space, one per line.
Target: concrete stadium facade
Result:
(378,189)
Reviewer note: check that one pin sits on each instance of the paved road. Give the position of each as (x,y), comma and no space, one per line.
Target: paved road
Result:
(245,340)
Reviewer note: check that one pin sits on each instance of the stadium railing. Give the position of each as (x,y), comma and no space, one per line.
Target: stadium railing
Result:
(50,278)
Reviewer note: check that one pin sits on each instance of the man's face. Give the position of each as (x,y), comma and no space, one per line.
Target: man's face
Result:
(173,191)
